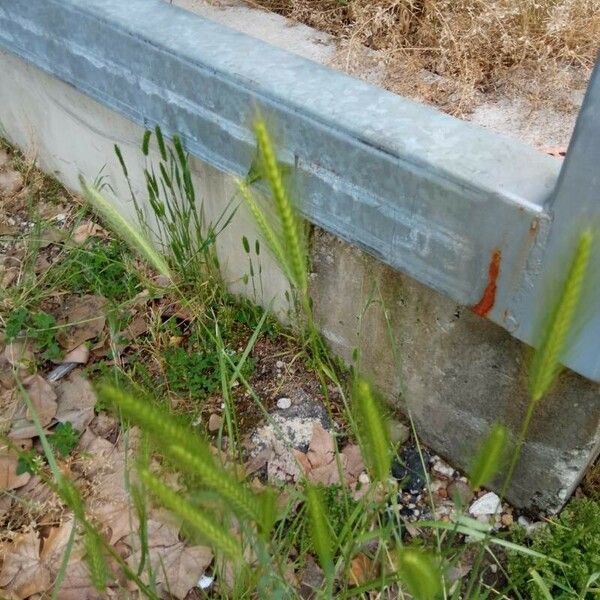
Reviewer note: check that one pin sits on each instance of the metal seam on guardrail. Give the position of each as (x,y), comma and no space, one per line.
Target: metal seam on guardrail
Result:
(456,207)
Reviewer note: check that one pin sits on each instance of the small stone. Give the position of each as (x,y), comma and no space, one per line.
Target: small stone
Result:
(459,490)
(280,364)
(436,485)
(214,422)
(523,521)
(441,469)
(506,519)
(363,478)
(399,432)
(443,493)
(488,504)
(408,469)
(10,183)
(284,403)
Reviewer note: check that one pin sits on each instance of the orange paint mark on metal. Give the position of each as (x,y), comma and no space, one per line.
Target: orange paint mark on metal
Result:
(483,307)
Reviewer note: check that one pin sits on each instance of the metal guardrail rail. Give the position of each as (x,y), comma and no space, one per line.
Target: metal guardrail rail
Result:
(467,212)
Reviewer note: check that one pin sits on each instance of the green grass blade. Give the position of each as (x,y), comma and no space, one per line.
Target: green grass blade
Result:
(541,584)
(420,572)
(490,457)
(319,529)
(130,234)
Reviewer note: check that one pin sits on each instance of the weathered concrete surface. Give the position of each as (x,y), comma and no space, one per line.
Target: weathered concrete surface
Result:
(456,373)
(460,372)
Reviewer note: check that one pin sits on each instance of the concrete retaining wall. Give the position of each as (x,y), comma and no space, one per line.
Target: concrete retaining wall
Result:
(459,373)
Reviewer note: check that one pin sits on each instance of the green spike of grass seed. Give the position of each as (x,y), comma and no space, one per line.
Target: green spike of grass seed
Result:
(292,234)
(546,363)
(206,526)
(374,435)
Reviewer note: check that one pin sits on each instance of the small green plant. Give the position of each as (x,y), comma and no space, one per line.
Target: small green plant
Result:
(15,323)
(38,327)
(337,506)
(572,538)
(177,222)
(64,438)
(193,373)
(100,268)
(29,461)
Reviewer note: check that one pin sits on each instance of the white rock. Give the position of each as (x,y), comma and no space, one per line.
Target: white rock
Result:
(205,582)
(280,364)
(284,403)
(363,478)
(488,504)
(524,522)
(442,470)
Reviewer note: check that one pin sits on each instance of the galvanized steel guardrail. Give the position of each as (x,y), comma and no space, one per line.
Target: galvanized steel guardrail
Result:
(471,214)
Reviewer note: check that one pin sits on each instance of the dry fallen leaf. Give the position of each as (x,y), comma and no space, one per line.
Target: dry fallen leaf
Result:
(321,449)
(176,566)
(86,230)
(76,400)
(354,462)
(51,235)
(23,573)
(137,327)
(361,570)
(79,355)
(42,397)
(19,354)
(84,319)
(9,480)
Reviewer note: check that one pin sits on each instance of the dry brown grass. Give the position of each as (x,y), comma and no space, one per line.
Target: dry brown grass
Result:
(477,43)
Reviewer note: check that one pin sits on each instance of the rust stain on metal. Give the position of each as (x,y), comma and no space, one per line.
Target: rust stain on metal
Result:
(483,307)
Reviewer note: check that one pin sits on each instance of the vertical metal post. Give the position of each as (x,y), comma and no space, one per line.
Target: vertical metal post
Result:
(574,206)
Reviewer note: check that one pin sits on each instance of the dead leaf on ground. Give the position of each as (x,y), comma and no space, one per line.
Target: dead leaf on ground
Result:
(42,397)
(79,355)
(76,400)
(8,275)
(30,563)
(51,235)
(311,580)
(23,573)
(117,519)
(9,480)
(86,230)
(321,450)
(137,327)
(6,228)
(84,319)
(354,463)
(19,354)
(361,570)
(42,264)
(176,566)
